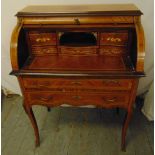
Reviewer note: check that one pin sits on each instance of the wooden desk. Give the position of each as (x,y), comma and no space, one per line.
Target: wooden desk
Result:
(78,55)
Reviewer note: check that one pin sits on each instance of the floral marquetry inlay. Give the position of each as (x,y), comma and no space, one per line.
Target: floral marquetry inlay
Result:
(109,50)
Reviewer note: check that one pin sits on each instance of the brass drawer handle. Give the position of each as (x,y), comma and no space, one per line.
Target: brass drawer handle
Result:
(42,39)
(46,99)
(114,39)
(76,97)
(110,100)
(111,81)
(41,85)
(76,83)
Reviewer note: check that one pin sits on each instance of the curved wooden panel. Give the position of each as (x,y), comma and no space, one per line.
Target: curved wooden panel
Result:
(14,45)
(140,44)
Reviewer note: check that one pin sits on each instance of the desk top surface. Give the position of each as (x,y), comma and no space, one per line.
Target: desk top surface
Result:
(70,10)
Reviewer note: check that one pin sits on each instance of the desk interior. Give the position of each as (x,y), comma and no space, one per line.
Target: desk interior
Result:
(79,63)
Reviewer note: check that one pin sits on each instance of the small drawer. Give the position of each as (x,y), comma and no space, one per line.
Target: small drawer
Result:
(78,50)
(113,50)
(42,38)
(80,20)
(77,99)
(44,50)
(50,83)
(78,84)
(110,38)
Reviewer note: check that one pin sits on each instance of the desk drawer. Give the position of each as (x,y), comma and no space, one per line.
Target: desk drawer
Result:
(44,50)
(78,50)
(79,20)
(103,84)
(78,99)
(113,50)
(110,38)
(42,38)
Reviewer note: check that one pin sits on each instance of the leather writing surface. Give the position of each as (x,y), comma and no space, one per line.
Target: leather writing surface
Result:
(101,63)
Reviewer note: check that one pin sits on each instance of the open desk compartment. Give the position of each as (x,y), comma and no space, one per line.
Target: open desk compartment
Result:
(109,50)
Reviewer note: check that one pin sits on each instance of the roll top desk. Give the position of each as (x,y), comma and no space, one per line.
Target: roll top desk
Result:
(78,55)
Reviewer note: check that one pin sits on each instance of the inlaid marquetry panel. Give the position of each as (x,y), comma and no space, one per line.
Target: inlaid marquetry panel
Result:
(78,50)
(44,50)
(112,50)
(42,38)
(114,38)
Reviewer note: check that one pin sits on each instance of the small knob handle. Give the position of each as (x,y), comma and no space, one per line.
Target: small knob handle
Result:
(77,21)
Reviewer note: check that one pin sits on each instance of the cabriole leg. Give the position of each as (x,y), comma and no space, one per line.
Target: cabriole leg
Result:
(31,116)
(117,111)
(48,109)
(124,129)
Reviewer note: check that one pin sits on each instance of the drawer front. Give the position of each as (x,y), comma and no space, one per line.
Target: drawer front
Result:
(42,38)
(77,99)
(120,38)
(79,20)
(78,50)
(78,84)
(44,50)
(112,50)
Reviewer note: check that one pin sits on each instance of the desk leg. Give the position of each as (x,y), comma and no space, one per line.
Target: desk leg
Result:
(48,109)
(117,111)
(124,129)
(31,116)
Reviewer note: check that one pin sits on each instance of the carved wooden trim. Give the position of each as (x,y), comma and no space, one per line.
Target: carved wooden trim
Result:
(140,44)
(14,45)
